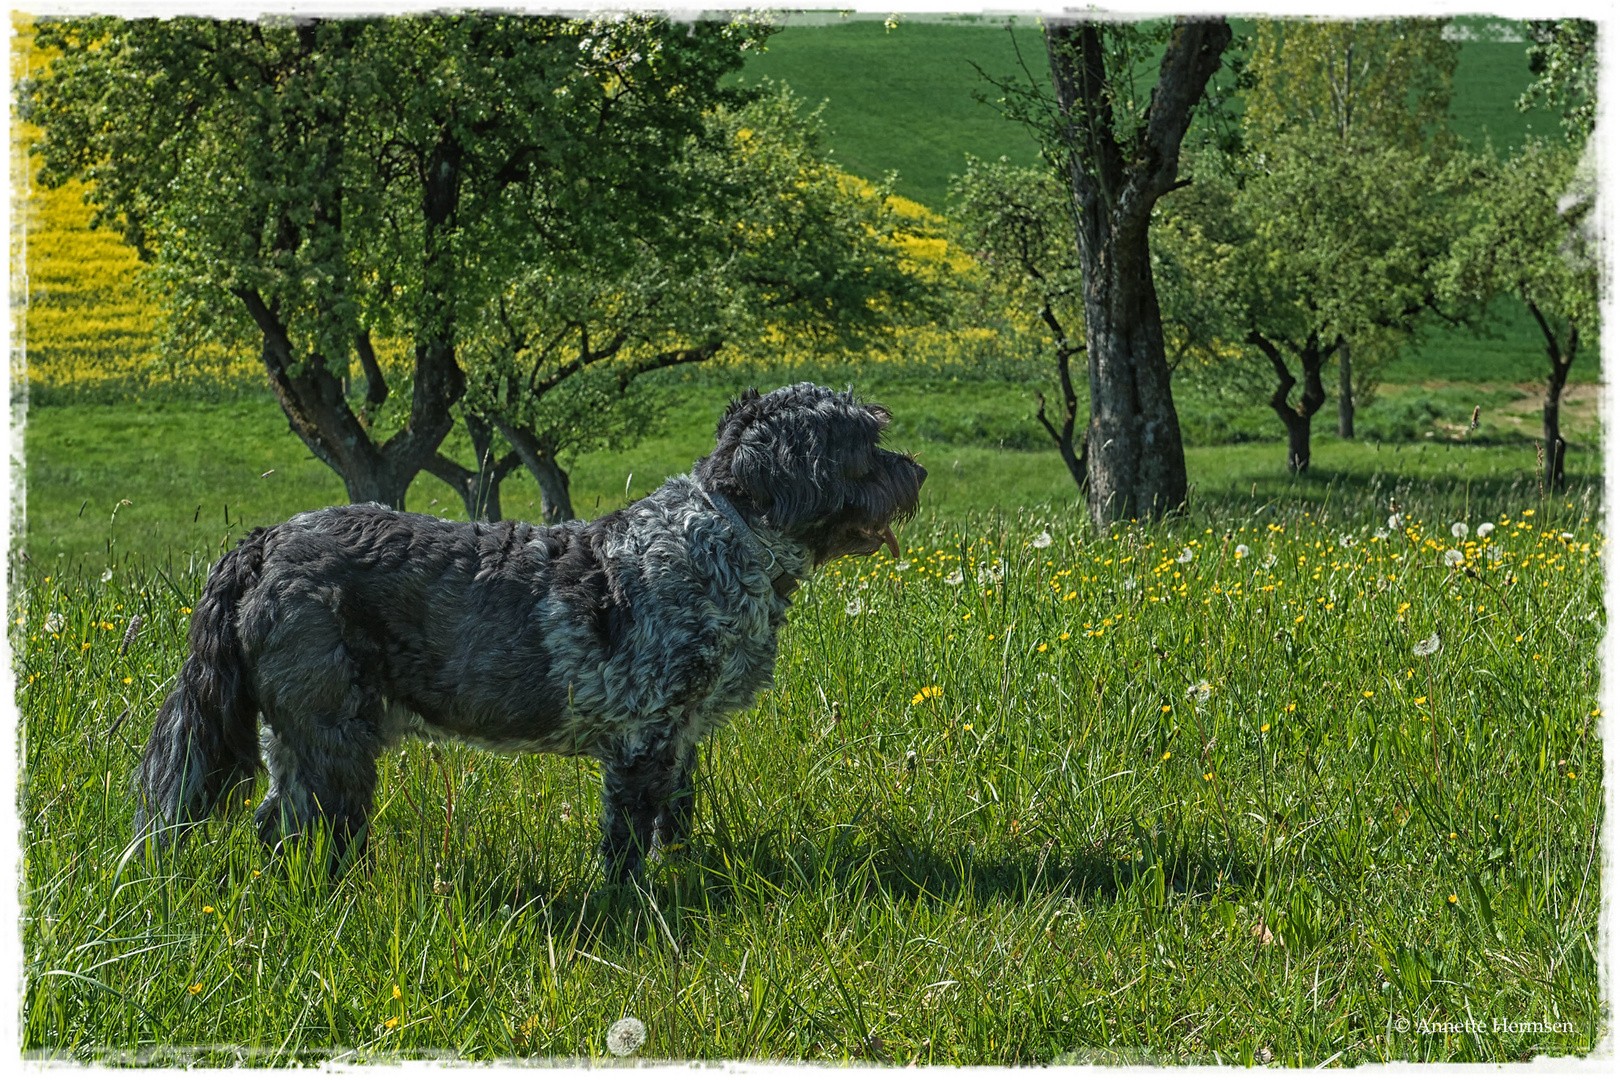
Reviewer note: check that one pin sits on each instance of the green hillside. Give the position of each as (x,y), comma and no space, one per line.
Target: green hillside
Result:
(903,99)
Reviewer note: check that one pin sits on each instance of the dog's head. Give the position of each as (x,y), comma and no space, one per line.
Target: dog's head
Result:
(806,460)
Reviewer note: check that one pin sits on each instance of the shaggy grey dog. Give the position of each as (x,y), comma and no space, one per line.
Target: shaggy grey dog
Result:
(628,638)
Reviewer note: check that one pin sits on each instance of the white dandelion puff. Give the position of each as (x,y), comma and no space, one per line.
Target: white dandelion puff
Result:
(1200,690)
(903,564)
(1394,521)
(954,577)
(1129,584)
(1485,529)
(853,607)
(1243,551)
(1459,529)
(1042,541)
(54,623)
(106,575)
(1429,646)
(1269,561)
(1566,536)
(1347,541)
(1186,555)
(626,1036)
(1453,557)
(1381,534)
(1494,553)
(863,586)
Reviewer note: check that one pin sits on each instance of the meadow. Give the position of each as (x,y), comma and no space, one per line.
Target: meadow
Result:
(1308,776)
(1206,792)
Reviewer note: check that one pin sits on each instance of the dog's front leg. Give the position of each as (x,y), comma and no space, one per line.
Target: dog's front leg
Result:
(636,786)
(675,816)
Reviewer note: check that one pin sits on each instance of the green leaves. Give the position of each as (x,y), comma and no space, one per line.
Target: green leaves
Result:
(1528,236)
(1563,59)
(769,245)
(304,184)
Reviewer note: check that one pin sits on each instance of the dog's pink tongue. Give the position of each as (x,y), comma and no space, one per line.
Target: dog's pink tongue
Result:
(888,538)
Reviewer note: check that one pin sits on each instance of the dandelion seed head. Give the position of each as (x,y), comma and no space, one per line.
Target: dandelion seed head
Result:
(1453,557)
(1459,529)
(1485,529)
(1347,541)
(1269,561)
(954,577)
(106,575)
(1394,521)
(853,607)
(54,623)
(1242,551)
(1186,555)
(1429,646)
(1042,541)
(626,1036)
(903,564)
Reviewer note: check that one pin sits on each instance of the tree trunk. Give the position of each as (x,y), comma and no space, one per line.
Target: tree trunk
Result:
(1296,418)
(1135,464)
(1560,354)
(1298,426)
(310,393)
(555,505)
(1064,437)
(1347,401)
(480,488)
(312,398)
(540,458)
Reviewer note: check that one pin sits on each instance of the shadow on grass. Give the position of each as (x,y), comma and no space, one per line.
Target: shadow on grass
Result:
(768,869)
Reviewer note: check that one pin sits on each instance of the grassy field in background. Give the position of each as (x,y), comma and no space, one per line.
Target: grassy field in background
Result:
(1032,794)
(198,475)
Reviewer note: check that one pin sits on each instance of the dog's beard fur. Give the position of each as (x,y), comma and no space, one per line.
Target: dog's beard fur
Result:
(626,639)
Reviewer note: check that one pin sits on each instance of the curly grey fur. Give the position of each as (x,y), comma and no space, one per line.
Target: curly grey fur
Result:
(332,636)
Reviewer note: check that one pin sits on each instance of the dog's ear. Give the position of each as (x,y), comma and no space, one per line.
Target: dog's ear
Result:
(784,488)
(736,405)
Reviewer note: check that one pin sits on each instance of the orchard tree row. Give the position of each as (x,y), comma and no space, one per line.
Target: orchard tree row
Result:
(1262,212)
(503,222)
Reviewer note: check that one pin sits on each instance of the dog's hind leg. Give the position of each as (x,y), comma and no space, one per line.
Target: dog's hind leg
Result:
(326,778)
(321,740)
(637,785)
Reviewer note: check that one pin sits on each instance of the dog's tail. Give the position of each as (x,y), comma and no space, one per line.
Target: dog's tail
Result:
(205,740)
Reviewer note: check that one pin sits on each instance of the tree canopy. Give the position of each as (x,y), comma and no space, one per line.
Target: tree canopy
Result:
(324,185)
(774,245)
(1325,228)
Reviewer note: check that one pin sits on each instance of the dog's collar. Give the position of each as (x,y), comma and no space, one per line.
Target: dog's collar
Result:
(782,581)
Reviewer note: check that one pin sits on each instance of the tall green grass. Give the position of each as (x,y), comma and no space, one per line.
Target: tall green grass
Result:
(1033,793)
